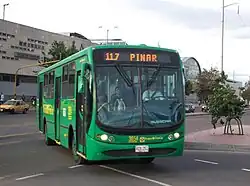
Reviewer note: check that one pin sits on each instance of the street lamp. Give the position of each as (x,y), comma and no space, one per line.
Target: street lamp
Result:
(223,28)
(107,31)
(7,4)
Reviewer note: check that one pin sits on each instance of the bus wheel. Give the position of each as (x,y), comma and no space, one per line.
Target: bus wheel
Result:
(146,160)
(77,159)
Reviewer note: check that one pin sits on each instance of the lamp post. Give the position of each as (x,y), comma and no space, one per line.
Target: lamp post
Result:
(7,4)
(107,32)
(222,30)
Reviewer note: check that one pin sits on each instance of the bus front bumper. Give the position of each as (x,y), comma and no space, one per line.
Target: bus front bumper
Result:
(97,150)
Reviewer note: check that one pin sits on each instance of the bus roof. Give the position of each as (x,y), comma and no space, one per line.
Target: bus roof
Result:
(90,48)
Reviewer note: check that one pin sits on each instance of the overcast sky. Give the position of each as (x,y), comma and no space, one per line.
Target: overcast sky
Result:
(193,27)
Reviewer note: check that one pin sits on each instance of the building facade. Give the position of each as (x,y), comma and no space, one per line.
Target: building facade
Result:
(191,70)
(22,45)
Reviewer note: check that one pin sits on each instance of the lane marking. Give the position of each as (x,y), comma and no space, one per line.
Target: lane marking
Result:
(6,176)
(20,134)
(208,162)
(8,143)
(31,176)
(75,166)
(247,170)
(16,125)
(135,176)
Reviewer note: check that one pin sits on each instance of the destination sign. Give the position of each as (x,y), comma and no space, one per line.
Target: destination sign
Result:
(135,55)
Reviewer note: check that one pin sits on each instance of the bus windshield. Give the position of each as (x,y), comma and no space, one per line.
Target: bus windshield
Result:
(136,96)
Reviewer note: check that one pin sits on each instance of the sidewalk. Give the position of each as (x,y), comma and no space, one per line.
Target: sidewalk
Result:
(216,140)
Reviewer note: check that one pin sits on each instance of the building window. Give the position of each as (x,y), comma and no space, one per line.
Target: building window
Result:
(3,39)
(26,56)
(9,58)
(8,35)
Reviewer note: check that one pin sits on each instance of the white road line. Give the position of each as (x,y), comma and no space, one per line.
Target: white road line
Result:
(208,162)
(75,166)
(31,176)
(20,134)
(135,176)
(247,170)
(8,143)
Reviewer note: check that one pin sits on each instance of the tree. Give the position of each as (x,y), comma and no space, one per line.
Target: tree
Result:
(224,103)
(246,94)
(207,81)
(72,49)
(59,51)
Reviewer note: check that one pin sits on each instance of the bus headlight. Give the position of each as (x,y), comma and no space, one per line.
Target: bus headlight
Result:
(104,137)
(176,135)
(170,137)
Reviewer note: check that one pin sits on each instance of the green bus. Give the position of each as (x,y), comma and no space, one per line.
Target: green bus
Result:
(110,102)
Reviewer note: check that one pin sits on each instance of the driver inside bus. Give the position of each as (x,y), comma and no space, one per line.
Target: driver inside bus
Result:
(152,93)
(117,101)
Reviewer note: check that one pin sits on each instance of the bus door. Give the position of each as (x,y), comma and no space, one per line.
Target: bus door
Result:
(80,102)
(40,110)
(57,107)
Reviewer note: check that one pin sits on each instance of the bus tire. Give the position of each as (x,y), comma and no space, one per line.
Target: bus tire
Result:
(47,140)
(77,159)
(146,160)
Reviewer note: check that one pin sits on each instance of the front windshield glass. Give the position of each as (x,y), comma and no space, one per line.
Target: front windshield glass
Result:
(138,96)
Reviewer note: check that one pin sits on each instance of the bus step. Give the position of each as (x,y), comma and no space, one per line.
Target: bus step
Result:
(80,154)
(58,142)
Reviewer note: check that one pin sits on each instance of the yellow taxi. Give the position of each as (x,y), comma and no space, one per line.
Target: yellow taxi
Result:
(13,106)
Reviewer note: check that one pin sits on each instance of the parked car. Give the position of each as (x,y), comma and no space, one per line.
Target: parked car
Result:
(204,108)
(14,106)
(190,108)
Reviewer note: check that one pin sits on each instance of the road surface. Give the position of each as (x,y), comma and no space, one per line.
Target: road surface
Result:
(26,160)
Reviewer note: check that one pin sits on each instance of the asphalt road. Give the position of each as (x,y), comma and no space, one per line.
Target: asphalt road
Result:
(26,160)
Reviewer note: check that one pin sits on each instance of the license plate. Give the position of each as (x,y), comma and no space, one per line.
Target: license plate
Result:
(141,148)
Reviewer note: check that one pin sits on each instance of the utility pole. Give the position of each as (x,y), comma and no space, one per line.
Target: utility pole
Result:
(107,32)
(7,4)
(222,34)
(223,30)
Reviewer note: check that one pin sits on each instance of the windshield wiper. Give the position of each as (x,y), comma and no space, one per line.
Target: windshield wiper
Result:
(123,74)
(153,77)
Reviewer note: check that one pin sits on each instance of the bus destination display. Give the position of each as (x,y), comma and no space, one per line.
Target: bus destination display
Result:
(116,56)
(135,55)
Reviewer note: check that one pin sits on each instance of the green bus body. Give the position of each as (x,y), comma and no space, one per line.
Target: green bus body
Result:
(67,109)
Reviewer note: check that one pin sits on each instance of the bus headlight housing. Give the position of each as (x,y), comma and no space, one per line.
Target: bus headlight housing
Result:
(104,137)
(176,135)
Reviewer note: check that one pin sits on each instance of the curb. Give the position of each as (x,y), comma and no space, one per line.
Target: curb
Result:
(216,147)
(197,114)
